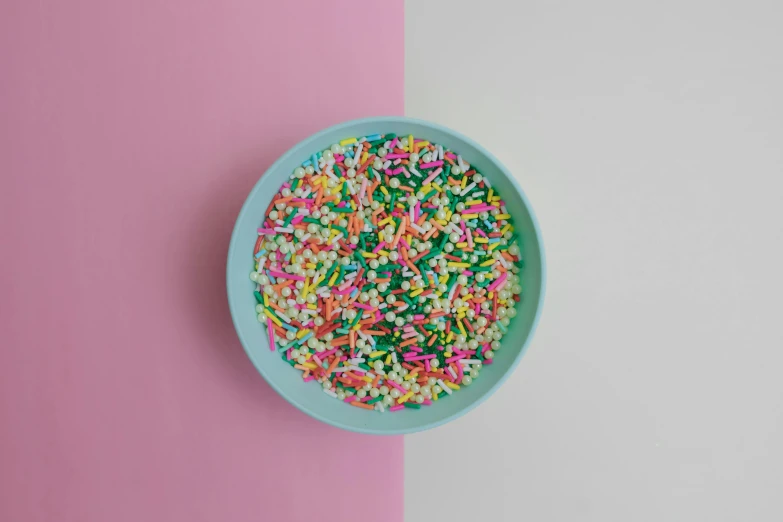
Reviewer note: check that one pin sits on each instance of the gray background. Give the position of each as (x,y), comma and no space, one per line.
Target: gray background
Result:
(648,136)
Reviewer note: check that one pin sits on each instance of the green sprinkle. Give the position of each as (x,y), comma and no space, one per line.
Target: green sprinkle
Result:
(259,297)
(412,405)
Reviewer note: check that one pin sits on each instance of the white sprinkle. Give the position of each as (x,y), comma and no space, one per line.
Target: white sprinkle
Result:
(414,171)
(387,164)
(416,227)
(330,393)
(468,188)
(470,361)
(443,385)
(284,229)
(452,372)
(394,355)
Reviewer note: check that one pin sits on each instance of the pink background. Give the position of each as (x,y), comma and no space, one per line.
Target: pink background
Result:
(130,133)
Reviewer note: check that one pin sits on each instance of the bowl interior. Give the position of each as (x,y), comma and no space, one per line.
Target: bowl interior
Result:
(308,397)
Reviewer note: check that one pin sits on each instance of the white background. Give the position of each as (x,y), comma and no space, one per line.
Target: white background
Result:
(648,136)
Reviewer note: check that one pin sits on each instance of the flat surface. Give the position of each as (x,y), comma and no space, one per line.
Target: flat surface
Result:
(648,137)
(130,134)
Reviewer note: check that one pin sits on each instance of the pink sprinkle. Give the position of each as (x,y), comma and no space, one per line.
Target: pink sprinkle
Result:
(270,329)
(286,276)
(396,156)
(427,364)
(397,407)
(308,379)
(431,164)
(455,358)
(481,208)
(397,171)
(362,306)
(487,361)
(418,317)
(406,245)
(421,357)
(395,385)
(350,399)
(432,176)
(450,155)
(499,282)
(266,231)
(297,219)
(339,158)
(427,402)
(328,353)
(484,348)
(415,349)
(317,360)
(378,247)
(366,398)
(481,232)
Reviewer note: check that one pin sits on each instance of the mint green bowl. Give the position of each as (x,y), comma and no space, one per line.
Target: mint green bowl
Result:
(309,397)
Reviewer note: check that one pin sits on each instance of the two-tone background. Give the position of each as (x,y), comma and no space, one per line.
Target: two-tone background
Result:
(647,135)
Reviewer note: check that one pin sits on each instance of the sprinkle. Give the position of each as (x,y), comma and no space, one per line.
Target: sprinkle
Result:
(379,255)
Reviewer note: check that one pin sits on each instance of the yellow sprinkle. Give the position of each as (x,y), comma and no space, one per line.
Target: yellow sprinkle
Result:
(369,254)
(464,182)
(489,195)
(311,306)
(416,292)
(442,279)
(506,228)
(366,379)
(364,157)
(462,328)
(376,353)
(502,216)
(462,245)
(493,246)
(302,333)
(356,327)
(434,396)
(383,189)
(266,300)
(334,277)
(437,187)
(383,222)
(310,365)
(306,286)
(488,263)
(451,385)
(405,397)
(480,240)
(388,359)
(310,265)
(410,142)
(450,337)
(396,334)
(422,143)
(347,142)
(441,222)
(383,252)
(469,216)
(458,265)
(473,202)
(273,317)
(447,354)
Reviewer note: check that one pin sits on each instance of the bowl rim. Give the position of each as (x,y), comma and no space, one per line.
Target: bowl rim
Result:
(380,120)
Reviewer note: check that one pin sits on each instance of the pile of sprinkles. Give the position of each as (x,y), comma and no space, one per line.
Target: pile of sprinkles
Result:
(387,270)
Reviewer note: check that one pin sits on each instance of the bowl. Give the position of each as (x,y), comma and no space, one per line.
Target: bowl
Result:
(309,397)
